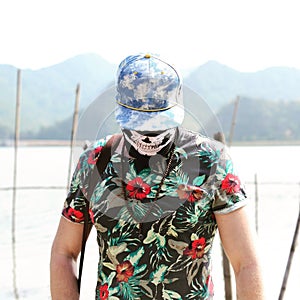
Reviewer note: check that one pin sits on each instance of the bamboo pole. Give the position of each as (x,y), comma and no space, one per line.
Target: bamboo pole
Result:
(256,202)
(290,259)
(226,265)
(73,132)
(13,218)
(227,276)
(233,123)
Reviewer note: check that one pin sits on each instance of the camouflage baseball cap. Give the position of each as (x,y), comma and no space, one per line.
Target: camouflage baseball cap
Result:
(149,94)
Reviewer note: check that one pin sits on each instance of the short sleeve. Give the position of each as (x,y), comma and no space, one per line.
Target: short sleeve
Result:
(76,200)
(229,190)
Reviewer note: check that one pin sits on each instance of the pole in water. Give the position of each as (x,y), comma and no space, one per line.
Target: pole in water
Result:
(256,202)
(233,123)
(74,131)
(13,218)
(226,265)
(290,259)
(219,136)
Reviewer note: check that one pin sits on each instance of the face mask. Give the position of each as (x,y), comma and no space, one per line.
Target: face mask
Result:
(149,143)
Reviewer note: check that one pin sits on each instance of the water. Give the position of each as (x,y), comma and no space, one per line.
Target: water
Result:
(38,213)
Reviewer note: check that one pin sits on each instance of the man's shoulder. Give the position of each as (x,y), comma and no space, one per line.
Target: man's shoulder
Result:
(101,142)
(199,138)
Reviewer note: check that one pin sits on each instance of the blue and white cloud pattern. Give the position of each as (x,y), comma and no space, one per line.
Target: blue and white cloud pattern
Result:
(149,93)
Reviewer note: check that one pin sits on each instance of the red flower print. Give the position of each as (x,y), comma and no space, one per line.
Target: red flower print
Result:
(103,291)
(71,213)
(91,216)
(124,271)
(93,156)
(231,184)
(137,188)
(189,192)
(197,248)
(210,285)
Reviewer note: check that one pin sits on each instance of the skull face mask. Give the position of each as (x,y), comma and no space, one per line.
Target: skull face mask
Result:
(147,143)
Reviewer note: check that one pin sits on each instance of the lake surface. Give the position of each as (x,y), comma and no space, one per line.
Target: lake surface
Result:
(38,212)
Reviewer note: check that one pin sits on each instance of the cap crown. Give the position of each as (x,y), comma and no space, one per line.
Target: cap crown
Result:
(147,83)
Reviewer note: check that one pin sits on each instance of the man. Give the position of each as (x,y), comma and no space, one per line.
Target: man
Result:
(156,195)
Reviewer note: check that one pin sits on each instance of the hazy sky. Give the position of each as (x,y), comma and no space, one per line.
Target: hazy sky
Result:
(245,35)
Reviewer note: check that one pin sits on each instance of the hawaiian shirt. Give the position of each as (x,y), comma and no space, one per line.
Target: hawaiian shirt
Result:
(156,249)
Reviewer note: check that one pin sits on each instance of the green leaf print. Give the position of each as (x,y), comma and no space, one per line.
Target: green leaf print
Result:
(170,295)
(115,158)
(150,237)
(76,182)
(135,256)
(145,173)
(187,218)
(208,155)
(131,289)
(109,266)
(158,275)
(157,245)
(131,174)
(129,292)
(99,190)
(180,151)
(198,180)
(229,166)
(197,291)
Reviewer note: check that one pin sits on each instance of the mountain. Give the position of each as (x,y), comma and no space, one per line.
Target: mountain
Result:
(262,120)
(8,78)
(256,120)
(219,84)
(48,94)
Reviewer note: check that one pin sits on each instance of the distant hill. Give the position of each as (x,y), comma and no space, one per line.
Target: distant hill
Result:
(262,120)
(257,120)
(48,94)
(219,84)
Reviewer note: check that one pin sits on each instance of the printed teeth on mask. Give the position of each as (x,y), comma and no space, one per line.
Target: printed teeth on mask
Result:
(143,146)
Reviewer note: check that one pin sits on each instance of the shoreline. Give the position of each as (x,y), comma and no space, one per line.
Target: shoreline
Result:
(41,143)
(64,143)
(67,143)
(266,143)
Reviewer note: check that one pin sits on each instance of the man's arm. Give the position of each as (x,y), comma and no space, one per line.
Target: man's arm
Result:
(240,246)
(63,268)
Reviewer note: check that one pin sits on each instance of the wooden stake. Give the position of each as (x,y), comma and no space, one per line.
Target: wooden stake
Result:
(256,202)
(226,265)
(13,218)
(73,132)
(233,123)
(227,276)
(219,136)
(290,259)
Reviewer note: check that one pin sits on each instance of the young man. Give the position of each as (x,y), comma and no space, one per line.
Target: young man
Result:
(156,195)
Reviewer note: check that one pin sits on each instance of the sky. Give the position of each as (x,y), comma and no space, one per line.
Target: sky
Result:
(245,35)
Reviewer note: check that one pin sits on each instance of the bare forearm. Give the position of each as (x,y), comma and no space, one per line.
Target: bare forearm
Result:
(63,280)
(249,283)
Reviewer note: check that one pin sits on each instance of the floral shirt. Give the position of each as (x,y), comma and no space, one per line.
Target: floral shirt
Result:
(156,249)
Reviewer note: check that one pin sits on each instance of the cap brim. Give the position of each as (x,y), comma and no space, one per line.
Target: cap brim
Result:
(149,121)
